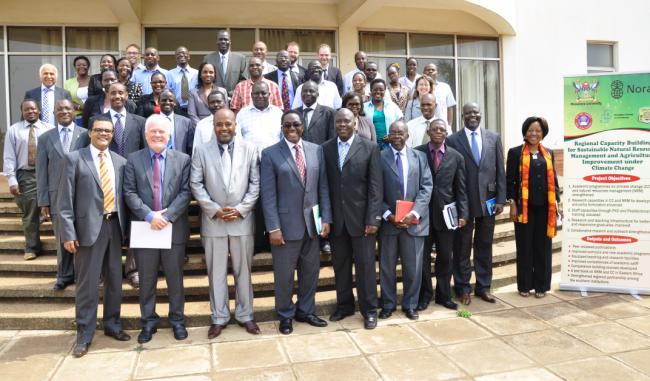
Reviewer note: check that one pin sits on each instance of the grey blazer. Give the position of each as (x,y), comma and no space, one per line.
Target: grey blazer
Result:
(486,180)
(59,93)
(236,70)
(210,191)
(81,200)
(418,189)
(287,202)
(49,163)
(176,194)
(183,134)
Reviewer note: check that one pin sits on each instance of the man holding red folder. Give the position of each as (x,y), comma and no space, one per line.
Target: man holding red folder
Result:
(406,177)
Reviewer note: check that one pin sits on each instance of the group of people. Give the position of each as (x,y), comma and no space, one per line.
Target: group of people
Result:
(301,159)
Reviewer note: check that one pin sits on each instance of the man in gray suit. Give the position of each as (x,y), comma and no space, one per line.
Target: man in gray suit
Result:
(157,190)
(294,196)
(53,145)
(92,215)
(48,93)
(406,177)
(225,181)
(230,66)
(181,137)
(486,180)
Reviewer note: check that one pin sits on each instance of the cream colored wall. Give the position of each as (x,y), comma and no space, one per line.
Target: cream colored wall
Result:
(59,12)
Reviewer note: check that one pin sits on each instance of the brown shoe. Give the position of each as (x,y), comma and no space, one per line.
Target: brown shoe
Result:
(487,297)
(215,330)
(465,299)
(251,327)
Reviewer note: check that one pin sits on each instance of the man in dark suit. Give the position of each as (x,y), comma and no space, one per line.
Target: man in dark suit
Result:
(355,183)
(285,78)
(157,190)
(53,145)
(48,93)
(92,215)
(318,119)
(293,184)
(293,49)
(94,105)
(486,180)
(448,172)
(182,129)
(406,176)
(330,72)
(230,67)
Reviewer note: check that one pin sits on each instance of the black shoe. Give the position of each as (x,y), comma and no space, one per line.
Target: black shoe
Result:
(312,320)
(448,304)
(411,314)
(423,305)
(119,336)
(180,333)
(340,315)
(80,350)
(61,285)
(325,247)
(146,335)
(385,313)
(285,326)
(370,321)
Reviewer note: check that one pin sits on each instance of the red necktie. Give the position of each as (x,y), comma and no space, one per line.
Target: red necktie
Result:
(438,159)
(300,163)
(285,92)
(156,182)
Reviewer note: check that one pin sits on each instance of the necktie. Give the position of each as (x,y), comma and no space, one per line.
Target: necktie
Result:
(426,138)
(31,146)
(285,92)
(344,147)
(170,143)
(156,183)
(438,159)
(400,172)
(300,163)
(185,87)
(305,116)
(45,103)
(119,134)
(223,67)
(475,152)
(107,189)
(65,140)
(226,164)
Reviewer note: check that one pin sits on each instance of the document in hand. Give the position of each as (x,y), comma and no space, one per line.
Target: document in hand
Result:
(402,208)
(489,205)
(144,237)
(450,214)
(317,220)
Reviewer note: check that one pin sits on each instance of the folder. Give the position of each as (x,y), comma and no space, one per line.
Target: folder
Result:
(450,215)
(144,237)
(489,205)
(402,208)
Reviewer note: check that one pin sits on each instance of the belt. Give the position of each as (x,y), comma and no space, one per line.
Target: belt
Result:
(26,169)
(109,216)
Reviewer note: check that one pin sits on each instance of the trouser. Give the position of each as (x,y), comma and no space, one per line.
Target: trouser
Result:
(481,229)
(409,248)
(28,204)
(103,256)
(261,238)
(216,259)
(443,239)
(534,265)
(64,259)
(149,261)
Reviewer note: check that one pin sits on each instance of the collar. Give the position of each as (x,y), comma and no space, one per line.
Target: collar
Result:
(43,87)
(224,55)
(349,141)
(94,151)
(312,107)
(157,68)
(256,109)
(432,149)
(468,132)
(113,112)
(291,145)
(61,127)
(402,152)
(285,70)
(170,116)
(163,153)
(182,69)
(37,124)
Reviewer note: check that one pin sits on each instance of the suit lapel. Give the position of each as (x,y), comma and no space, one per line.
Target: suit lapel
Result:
(56,142)
(318,111)
(284,149)
(170,173)
(387,156)
(413,175)
(354,148)
(462,138)
(483,143)
(88,159)
(311,165)
(148,170)
(76,132)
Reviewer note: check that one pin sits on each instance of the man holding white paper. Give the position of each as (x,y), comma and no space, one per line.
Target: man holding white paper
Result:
(448,172)
(157,190)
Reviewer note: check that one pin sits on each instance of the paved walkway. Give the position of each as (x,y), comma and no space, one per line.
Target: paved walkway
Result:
(563,336)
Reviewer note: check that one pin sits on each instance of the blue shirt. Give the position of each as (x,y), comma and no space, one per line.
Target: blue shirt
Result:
(144,77)
(289,84)
(163,155)
(174,78)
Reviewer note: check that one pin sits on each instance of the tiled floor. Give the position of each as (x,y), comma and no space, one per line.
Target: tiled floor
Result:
(564,336)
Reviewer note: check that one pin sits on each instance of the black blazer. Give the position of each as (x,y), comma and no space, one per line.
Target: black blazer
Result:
(59,93)
(95,85)
(146,104)
(275,77)
(448,186)
(334,75)
(356,191)
(94,106)
(321,125)
(302,73)
(513,177)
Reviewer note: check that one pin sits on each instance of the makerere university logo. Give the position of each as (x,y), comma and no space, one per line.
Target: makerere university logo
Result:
(586,92)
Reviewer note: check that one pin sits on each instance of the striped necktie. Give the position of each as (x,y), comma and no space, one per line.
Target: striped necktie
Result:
(107,188)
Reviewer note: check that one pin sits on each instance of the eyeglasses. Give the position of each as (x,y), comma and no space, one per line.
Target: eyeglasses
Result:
(292,125)
(100,131)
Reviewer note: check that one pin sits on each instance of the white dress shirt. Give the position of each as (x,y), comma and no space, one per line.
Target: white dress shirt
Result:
(261,128)
(293,151)
(328,95)
(16,146)
(417,131)
(94,152)
(444,98)
(204,132)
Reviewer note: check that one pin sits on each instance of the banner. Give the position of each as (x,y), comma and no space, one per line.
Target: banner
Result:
(606,232)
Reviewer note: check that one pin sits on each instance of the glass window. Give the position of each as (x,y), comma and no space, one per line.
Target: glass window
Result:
(382,43)
(194,39)
(241,40)
(23,76)
(600,57)
(2,40)
(35,39)
(478,47)
(479,82)
(3,111)
(94,64)
(383,62)
(309,40)
(98,40)
(431,45)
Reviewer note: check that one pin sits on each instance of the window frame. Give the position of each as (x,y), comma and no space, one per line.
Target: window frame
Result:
(603,69)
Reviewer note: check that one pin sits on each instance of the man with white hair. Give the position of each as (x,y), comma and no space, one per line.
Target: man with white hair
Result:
(157,190)
(48,93)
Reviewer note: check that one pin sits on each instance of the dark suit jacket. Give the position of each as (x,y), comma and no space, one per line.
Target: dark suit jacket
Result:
(418,189)
(59,93)
(334,75)
(183,134)
(321,125)
(356,191)
(236,70)
(95,106)
(133,133)
(286,200)
(95,85)
(49,163)
(302,73)
(486,180)
(81,200)
(146,104)
(176,193)
(448,185)
(513,177)
(275,77)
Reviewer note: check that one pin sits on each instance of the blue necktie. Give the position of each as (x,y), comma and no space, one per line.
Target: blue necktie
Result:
(45,102)
(344,147)
(400,172)
(475,152)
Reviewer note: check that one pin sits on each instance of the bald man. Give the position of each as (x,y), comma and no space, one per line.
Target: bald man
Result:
(48,93)
(259,51)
